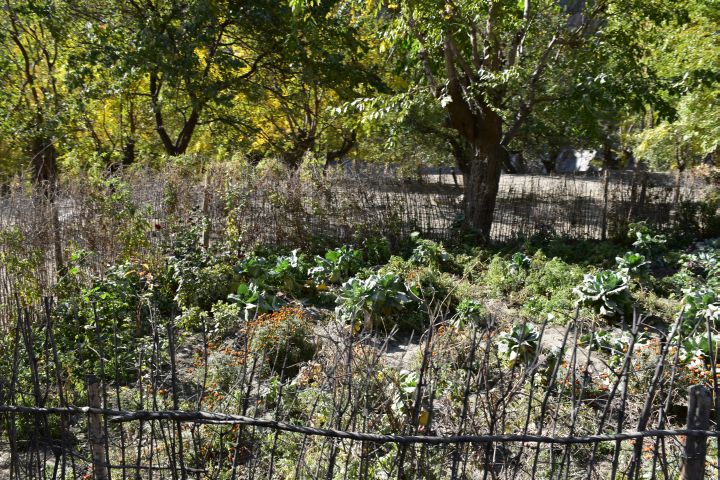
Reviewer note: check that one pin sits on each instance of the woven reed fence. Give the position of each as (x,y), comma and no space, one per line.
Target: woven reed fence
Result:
(136,213)
(295,210)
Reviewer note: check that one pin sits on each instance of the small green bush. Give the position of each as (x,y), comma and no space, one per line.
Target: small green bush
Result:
(519,345)
(336,266)
(539,285)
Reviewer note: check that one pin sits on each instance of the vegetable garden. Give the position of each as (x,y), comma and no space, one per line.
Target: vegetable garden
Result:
(382,357)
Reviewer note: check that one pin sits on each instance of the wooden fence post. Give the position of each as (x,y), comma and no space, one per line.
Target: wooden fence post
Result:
(206,213)
(96,435)
(606,184)
(698,418)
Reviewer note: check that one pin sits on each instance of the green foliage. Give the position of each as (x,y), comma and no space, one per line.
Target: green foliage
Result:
(519,262)
(227,318)
(377,250)
(375,301)
(21,262)
(407,383)
(540,285)
(702,304)
(519,346)
(428,253)
(632,264)
(109,315)
(253,300)
(202,277)
(337,265)
(193,319)
(698,347)
(469,313)
(123,215)
(705,262)
(645,240)
(500,279)
(614,344)
(606,292)
(286,273)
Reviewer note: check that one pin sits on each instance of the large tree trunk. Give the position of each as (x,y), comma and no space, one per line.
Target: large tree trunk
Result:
(481,157)
(333,156)
(303,143)
(481,188)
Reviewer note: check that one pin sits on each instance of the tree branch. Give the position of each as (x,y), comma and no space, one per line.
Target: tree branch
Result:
(423,54)
(527,105)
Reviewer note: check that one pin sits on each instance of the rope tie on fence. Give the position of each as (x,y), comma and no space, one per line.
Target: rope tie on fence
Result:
(118,416)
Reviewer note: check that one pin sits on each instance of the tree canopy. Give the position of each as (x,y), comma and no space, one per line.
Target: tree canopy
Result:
(95,85)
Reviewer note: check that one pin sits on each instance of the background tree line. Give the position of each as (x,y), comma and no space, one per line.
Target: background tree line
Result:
(95,85)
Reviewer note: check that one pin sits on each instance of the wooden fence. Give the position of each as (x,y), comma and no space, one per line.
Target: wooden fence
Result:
(139,211)
(537,419)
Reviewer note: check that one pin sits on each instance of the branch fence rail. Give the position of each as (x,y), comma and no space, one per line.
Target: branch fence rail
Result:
(576,417)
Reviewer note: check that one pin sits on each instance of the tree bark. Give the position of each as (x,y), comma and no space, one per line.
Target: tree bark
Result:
(183,140)
(481,188)
(332,156)
(44,165)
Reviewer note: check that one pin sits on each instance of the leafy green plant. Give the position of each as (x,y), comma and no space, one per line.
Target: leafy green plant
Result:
(427,252)
(254,300)
(705,262)
(192,319)
(548,287)
(405,386)
(697,347)
(110,315)
(226,318)
(469,312)
(606,292)
(645,240)
(632,264)
(376,250)
(337,265)
(500,279)
(202,277)
(614,344)
(254,267)
(374,300)
(701,304)
(519,345)
(285,273)
(519,262)
(288,273)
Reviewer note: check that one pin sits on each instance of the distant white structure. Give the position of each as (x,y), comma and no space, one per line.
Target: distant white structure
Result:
(569,160)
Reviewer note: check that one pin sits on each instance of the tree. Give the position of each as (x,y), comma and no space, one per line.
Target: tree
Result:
(190,57)
(287,111)
(491,64)
(687,59)
(32,99)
